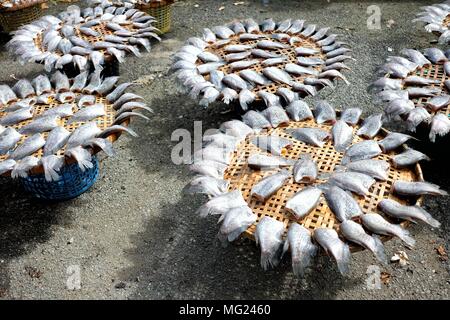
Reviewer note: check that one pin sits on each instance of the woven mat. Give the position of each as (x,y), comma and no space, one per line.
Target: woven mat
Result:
(243,178)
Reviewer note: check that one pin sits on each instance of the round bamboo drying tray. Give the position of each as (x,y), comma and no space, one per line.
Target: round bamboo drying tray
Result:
(102,122)
(19,15)
(289,53)
(242,178)
(161,11)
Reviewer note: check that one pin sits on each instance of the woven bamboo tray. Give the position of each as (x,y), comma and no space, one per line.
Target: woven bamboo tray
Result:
(242,178)
(289,53)
(161,11)
(102,122)
(23,4)
(13,18)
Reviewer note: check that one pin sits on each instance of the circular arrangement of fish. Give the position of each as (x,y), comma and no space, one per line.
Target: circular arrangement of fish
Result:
(46,122)
(84,38)
(415,89)
(437,19)
(16,4)
(272,62)
(306,172)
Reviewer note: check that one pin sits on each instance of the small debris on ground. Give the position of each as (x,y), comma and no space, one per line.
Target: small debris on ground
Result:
(442,253)
(385,277)
(33,272)
(401,257)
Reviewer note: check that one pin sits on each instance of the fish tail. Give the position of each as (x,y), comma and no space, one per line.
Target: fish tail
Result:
(299,267)
(379,250)
(236,233)
(429,219)
(223,239)
(269,260)
(406,237)
(204,210)
(116,129)
(19,172)
(343,260)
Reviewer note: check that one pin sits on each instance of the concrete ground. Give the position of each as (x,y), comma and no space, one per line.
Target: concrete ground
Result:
(135,236)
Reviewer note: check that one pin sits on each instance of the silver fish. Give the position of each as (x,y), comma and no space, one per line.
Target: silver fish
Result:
(360,151)
(268,236)
(107,85)
(28,147)
(438,102)
(318,82)
(411,189)
(222,32)
(221,204)
(95,81)
(62,111)
(234,81)
(261,161)
(127,116)
(394,70)
(270,45)
(312,136)
(65,97)
(309,62)
(206,56)
(287,94)
(303,202)
(398,107)
(440,125)
(208,35)
(356,182)
(82,156)
(277,75)
(39,125)
(377,169)
(243,64)
(416,57)
(299,110)
(272,143)
(236,128)
(255,120)
(305,169)
(306,89)
(389,95)
(377,224)
(208,168)
(408,158)
(271,100)
(342,135)
(234,222)
(419,81)
(56,140)
(8,140)
(393,140)
(82,134)
(334,74)
(283,26)
(126,97)
(329,240)
(268,25)
(41,84)
(116,129)
(296,26)
(23,89)
(309,30)
(305,51)
(416,92)
(259,53)
(23,167)
(88,113)
(60,82)
(15,117)
(210,94)
(237,48)
(245,98)
(303,250)
(336,66)
(79,82)
(269,185)
(237,56)
(386,84)
(353,232)
(207,185)
(324,112)
(250,36)
(410,213)
(97,59)
(274,61)
(337,59)
(351,116)
(341,203)
(253,77)
(7,165)
(6,95)
(86,100)
(117,92)
(435,55)
(371,126)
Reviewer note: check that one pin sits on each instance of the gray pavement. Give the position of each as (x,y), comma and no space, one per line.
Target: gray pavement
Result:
(135,236)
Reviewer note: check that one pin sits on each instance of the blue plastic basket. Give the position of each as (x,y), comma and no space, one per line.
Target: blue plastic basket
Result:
(71,184)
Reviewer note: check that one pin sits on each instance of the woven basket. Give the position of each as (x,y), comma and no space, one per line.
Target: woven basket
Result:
(161,11)
(10,19)
(72,183)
